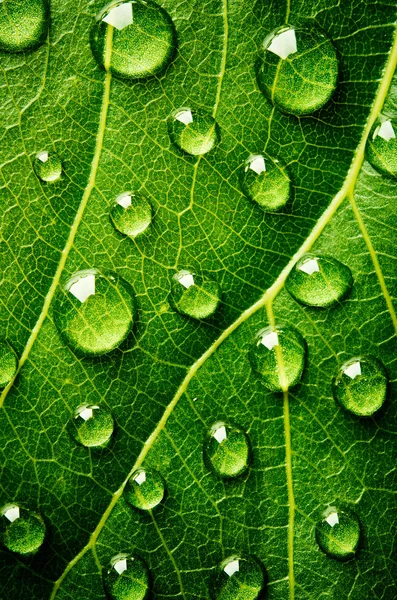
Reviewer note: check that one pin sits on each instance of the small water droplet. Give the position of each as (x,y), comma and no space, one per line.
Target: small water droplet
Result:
(23,25)
(266,182)
(297,69)
(145,489)
(381,148)
(127,578)
(131,214)
(95,311)
(227,450)
(48,166)
(319,281)
(286,341)
(338,533)
(21,530)
(193,295)
(92,426)
(141,36)
(239,578)
(193,131)
(361,385)
(8,363)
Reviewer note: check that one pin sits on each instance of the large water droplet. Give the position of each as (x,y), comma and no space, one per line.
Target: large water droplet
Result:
(297,69)
(140,37)
(266,182)
(48,166)
(239,578)
(127,578)
(271,346)
(23,24)
(21,530)
(92,426)
(227,450)
(338,533)
(319,280)
(145,489)
(8,363)
(131,214)
(193,295)
(361,385)
(95,311)
(381,148)
(193,131)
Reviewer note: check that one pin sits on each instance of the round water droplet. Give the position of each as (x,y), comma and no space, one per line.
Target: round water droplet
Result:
(21,530)
(193,131)
(134,40)
(381,148)
(227,450)
(319,280)
(271,346)
(48,166)
(361,385)
(266,182)
(8,363)
(338,533)
(127,578)
(297,69)
(145,489)
(131,214)
(193,295)
(95,311)
(92,426)
(239,578)
(23,25)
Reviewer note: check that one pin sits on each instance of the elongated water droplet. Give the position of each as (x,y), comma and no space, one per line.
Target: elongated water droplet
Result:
(131,214)
(127,578)
(140,37)
(381,148)
(193,131)
(361,385)
(319,280)
(227,450)
(23,24)
(266,182)
(21,530)
(193,295)
(145,489)
(92,426)
(297,69)
(8,363)
(95,311)
(272,346)
(338,533)
(239,578)
(48,166)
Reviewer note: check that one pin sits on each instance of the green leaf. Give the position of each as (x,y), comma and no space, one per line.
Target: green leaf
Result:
(174,377)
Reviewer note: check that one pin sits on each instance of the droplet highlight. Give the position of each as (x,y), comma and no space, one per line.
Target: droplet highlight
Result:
(194,295)
(361,385)
(127,578)
(8,363)
(21,530)
(381,147)
(145,489)
(48,166)
(227,450)
(23,25)
(194,132)
(239,578)
(92,426)
(131,214)
(266,182)
(338,533)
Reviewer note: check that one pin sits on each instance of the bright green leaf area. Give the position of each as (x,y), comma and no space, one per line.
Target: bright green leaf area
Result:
(174,377)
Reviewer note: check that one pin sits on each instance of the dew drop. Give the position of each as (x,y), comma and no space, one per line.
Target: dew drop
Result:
(8,363)
(297,69)
(23,25)
(361,385)
(194,132)
(48,166)
(381,148)
(127,578)
(338,533)
(239,578)
(141,36)
(131,214)
(286,343)
(266,182)
(227,450)
(92,426)
(21,530)
(145,489)
(193,295)
(95,311)
(319,281)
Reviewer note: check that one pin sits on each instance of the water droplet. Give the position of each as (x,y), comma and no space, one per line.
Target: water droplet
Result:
(48,166)
(141,36)
(286,343)
(127,578)
(338,533)
(95,311)
(8,363)
(381,148)
(227,450)
(361,385)
(92,426)
(266,182)
(319,280)
(23,25)
(145,489)
(21,530)
(131,214)
(239,578)
(193,131)
(193,295)
(297,69)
